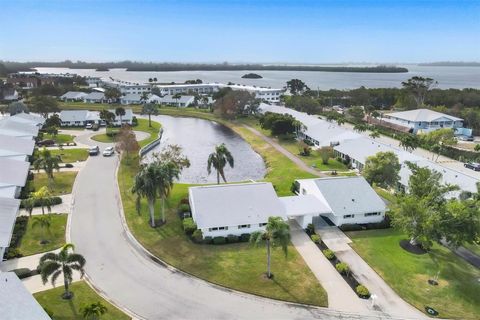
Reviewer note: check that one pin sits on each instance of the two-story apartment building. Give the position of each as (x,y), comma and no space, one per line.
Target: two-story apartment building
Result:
(423,120)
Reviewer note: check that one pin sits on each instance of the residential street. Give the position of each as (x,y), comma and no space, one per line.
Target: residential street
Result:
(126,275)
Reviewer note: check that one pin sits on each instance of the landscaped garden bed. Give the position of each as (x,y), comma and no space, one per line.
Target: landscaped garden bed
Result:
(62,183)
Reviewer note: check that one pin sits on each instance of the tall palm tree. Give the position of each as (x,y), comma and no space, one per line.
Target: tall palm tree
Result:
(54,264)
(145,186)
(43,197)
(44,223)
(374,134)
(176,97)
(47,162)
(94,311)
(144,97)
(28,204)
(149,109)
(218,160)
(277,233)
(165,174)
(107,116)
(120,112)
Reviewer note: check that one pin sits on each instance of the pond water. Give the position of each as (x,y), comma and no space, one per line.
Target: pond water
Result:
(198,139)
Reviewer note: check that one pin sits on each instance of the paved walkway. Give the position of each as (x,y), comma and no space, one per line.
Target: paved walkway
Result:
(285,152)
(64,207)
(386,299)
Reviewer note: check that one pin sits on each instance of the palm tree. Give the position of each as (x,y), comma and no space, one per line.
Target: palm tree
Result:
(107,116)
(54,264)
(165,174)
(144,97)
(176,97)
(219,160)
(360,127)
(44,223)
(277,233)
(43,197)
(28,204)
(374,134)
(120,112)
(47,162)
(150,108)
(204,100)
(340,120)
(94,311)
(145,186)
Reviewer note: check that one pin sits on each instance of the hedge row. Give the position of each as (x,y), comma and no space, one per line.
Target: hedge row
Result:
(18,231)
(244,237)
(38,202)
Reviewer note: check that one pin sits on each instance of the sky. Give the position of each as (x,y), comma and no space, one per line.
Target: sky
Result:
(266,31)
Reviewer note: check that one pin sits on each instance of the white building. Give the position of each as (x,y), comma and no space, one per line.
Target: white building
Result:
(126,119)
(8,214)
(346,200)
(423,120)
(131,98)
(78,118)
(16,127)
(182,101)
(16,302)
(95,97)
(13,175)
(15,148)
(221,210)
(73,96)
(28,118)
(126,87)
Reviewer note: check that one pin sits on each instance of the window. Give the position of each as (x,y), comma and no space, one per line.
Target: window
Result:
(222,228)
(348,216)
(212,229)
(372,214)
(262,224)
(243,226)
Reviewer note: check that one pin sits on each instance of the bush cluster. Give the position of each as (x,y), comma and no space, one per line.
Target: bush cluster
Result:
(310,229)
(38,203)
(315,238)
(328,254)
(68,165)
(219,240)
(342,268)
(189,226)
(184,207)
(385,224)
(197,236)
(362,291)
(18,232)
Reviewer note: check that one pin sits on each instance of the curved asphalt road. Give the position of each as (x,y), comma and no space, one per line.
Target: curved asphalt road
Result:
(130,279)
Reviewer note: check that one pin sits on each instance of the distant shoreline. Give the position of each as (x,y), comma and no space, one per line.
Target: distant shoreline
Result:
(165,67)
(450,64)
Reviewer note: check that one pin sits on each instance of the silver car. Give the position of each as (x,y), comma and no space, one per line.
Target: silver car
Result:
(108,152)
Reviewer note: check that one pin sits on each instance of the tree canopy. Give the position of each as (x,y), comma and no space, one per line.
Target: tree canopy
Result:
(382,169)
(280,124)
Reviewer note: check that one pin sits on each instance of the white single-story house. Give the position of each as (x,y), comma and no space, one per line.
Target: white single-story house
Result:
(28,118)
(221,210)
(13,96)
(17,301)
(8,213)
(95,97)
(131,98)
(15,148)
(153,98)
(423,120)
(183,101)
(345,200)
(73,96)
(126,119)
(79,118)
(12,127)
(13,175)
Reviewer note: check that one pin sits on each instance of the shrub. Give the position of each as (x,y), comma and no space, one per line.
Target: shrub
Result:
(207,240)
(310,228)
(185,201)
(328,254)
(219,240)
(197,236)
(362,291)
(245,237)
(68,165)
(184,207)
(315,238)
(134,121)
(38,203)
(350,227)
(232,238)
(189,226)
(23,273)
(13,253)
(343,268)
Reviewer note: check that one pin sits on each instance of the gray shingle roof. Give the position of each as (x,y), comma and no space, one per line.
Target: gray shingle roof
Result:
(12,127)
(350,195)
(234,204)
(426,115)
(94,96)
(30,118)
(8,214)
(17,145)
(13,172)
(73,95)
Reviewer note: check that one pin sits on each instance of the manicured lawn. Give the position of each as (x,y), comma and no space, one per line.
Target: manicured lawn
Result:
(102,137)
(71,309)
(141,126)
(390,197)
(239,266)
(458,292)
(62,183)
(71,155)
(30,243)
(59,138)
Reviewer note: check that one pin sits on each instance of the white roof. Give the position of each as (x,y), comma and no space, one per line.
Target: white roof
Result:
(94,96)
(349,195)
(73,95)
(183,99)
(234,204)
(17,145)
(424,115)
(73,115)
(8,214)
(303,205)
(29,118)
(135,97)
(12,127)
(128,114)
(13,172)
(17,302)
(154,98)
(8,191)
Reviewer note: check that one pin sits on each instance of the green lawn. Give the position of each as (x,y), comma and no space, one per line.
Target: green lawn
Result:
(59,138)
(141,126)
(71,155)
(71,309)
(95,106)
(62,183)
(458,293)
(102,137)
(30,243)
(239,266)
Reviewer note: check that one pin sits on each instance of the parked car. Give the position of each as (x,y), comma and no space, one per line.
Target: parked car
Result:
(108,152)
(95,127)
(46,143)
(93,151)
(465,138)
(89,126)
(472,165)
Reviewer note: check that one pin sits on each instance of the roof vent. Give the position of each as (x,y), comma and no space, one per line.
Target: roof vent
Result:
(353,200)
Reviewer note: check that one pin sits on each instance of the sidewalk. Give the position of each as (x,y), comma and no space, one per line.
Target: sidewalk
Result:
(64,207)
(340,295)
(386,299)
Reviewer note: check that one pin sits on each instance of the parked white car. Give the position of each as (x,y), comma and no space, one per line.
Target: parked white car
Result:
(108,152)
